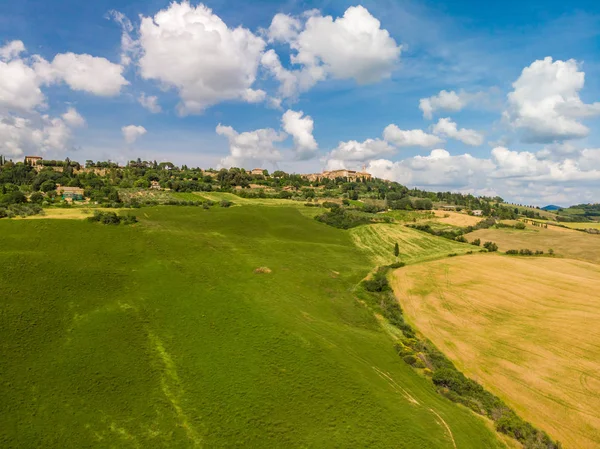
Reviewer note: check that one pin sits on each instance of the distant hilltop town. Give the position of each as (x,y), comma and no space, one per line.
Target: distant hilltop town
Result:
(38,162)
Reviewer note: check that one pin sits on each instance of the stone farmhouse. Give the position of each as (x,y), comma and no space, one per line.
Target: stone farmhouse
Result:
(257,171)
(33,160)
(72,193)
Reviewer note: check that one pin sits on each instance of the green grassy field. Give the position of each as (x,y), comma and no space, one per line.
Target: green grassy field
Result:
(161,334)
(415,246)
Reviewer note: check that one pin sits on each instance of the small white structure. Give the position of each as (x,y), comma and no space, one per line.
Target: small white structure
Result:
(478,213)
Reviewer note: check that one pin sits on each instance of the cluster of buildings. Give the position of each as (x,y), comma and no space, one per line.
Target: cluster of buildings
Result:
(352,175)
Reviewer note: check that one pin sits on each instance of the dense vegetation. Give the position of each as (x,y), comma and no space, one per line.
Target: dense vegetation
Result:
(105,183)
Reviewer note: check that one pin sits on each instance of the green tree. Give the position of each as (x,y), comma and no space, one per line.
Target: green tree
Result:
(396,250)
(47,186)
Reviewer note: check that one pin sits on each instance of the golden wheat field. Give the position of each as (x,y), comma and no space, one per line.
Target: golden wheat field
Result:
(526,328)
(456,218)
(565,242)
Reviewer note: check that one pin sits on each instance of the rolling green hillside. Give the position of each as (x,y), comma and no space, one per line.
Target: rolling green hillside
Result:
(162,334)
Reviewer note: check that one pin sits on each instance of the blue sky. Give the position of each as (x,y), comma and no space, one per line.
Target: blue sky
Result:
(364,69)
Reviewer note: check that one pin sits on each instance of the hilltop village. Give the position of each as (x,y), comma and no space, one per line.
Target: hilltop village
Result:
(51,182)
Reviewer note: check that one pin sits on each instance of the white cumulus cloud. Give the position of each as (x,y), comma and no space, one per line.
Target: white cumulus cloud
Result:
(351,153)
(350,47)
(192,50)
(132,132)
(545,104)
(283,28)
(83,72)
(150,103)
(447,128)
(251,149)
(19,86)
(73,118)
(12,50)
(444,101)
(301,129)
(409,138)
(35,134)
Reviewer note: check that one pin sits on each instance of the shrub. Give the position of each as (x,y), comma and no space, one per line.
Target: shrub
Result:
(461,239)
(105,217)
(490,246)
(476,242)
(452,255)
(36,197)
(378,283)
(111,218)
(396,265)
(520,225)
(410,359)
(129,219)
(225,203)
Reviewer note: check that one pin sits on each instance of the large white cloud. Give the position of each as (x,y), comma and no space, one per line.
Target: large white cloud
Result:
(351,153)
(83,72)
(409,138)
(301,129)
(438,169)
(19,87)
(251,149)
(192,50)
(545,104)
(37,133)
(131,133)
(447,128)
(350,47)
(519,175)
(21,79)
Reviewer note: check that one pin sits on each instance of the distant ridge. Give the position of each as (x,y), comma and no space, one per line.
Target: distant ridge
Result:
(551,207)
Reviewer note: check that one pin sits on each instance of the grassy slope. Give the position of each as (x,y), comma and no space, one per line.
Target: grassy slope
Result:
(415,246)
(564,242)
(161,335)
(516,325)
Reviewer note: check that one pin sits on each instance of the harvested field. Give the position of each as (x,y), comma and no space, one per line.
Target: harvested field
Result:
(526,328)
(564,242)
(456,218)
(415,246)
(582,225)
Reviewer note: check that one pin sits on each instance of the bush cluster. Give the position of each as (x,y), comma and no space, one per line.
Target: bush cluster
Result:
(490,246)
(111,218)
(524,252)
(20,210)
(341,218)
